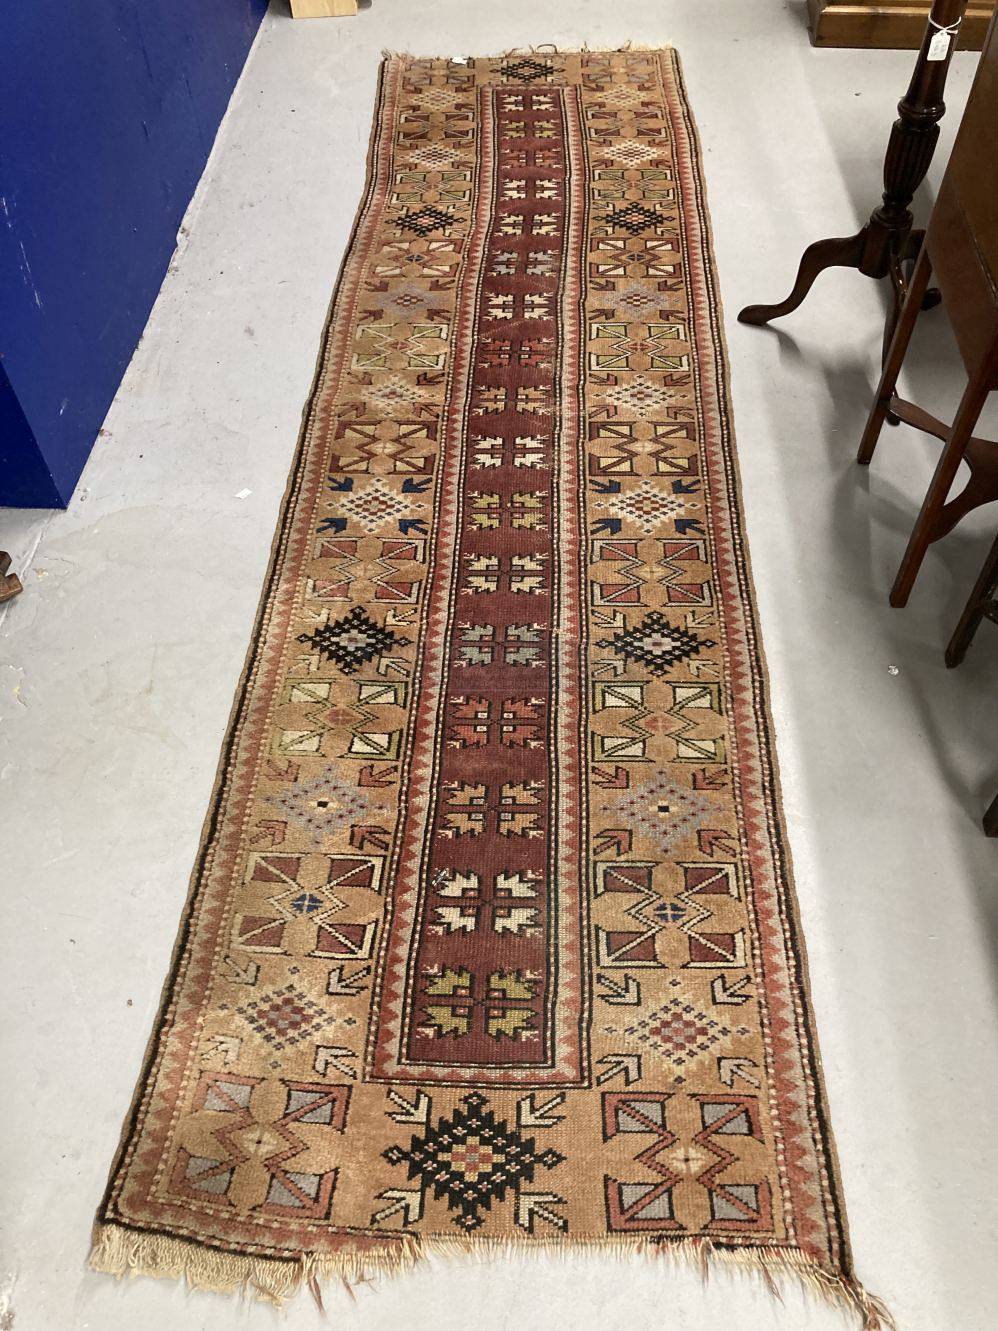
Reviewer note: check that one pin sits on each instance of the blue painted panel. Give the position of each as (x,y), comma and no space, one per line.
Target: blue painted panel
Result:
(107,114)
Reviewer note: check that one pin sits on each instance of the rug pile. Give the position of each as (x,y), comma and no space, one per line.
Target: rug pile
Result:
(492,939)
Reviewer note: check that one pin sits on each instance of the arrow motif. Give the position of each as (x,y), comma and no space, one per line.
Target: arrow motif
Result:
(613,667)
(334,1056)
(705,667)
(226,1045)
(617,839)
(627,994)
(531,1115)
(628,1064)
(722,992)
(705,780)
(370,777)
(730,1068)
(364,835)
(534,1206)
(332,524)
(393,665)
(714,841)
(242,974)
(345,986)
(407,1200)
(618,779)
(416,1113)
(269,832)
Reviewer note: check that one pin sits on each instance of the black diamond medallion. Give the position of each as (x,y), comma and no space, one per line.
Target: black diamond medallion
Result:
(635,218)
(425,220)
(526,71)
(353,641)
(471,1160)
(655,643)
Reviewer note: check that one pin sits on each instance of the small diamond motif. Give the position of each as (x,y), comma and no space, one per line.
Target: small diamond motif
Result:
(353,641)
(633,153)
(640,299)
(644,396)
(647,506)
(375,505)
(284,1017)
(678,1032)
(322,805)
(663,812)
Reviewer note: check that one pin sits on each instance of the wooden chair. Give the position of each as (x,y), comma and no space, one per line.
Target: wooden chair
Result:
(960,254)
(983,604)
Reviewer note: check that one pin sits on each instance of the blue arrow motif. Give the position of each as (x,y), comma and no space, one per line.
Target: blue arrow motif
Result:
(685,487)
(611,525)
(410,486)
(345,483)
(686,525)
(332,524)
(406,525)
(606,487)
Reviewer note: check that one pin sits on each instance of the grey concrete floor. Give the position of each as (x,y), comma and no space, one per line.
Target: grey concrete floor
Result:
(118,663)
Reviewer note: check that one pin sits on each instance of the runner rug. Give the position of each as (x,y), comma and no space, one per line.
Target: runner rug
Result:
(491,939)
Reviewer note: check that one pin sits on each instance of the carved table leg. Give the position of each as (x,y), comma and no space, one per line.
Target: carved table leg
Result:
(844,253)
(882,246)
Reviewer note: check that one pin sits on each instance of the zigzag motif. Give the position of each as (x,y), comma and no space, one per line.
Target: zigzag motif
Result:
(644,1205)
(716,950)
(625,559)
(734,1116)
(680,588)
(617,947)
(689,748)
(627,696)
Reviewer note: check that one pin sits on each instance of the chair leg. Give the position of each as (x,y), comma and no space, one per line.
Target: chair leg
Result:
(991,819)
(924,532)
(973,612)
(892,363)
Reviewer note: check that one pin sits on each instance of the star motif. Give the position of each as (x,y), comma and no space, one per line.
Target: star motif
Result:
(472,1160)
(353,641)
(656,643)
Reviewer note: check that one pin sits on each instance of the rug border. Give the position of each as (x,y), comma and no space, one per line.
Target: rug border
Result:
(241,694)
(767,725)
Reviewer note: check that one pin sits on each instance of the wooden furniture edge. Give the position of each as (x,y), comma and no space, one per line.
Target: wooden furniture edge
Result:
(889,24)
(323,8)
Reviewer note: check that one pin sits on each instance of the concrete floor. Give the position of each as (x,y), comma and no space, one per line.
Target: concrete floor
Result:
(118,664)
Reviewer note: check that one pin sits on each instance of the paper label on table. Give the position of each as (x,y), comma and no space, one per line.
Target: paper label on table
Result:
(939,46)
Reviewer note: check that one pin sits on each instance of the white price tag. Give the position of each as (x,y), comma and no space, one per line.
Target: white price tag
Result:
(939,46)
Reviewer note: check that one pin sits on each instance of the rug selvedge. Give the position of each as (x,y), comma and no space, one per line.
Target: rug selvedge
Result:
(492,938)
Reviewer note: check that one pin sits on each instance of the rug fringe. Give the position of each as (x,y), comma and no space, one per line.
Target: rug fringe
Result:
(121,1252)
(544,48)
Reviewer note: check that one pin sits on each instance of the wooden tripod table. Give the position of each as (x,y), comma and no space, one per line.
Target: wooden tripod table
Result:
(887,243)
